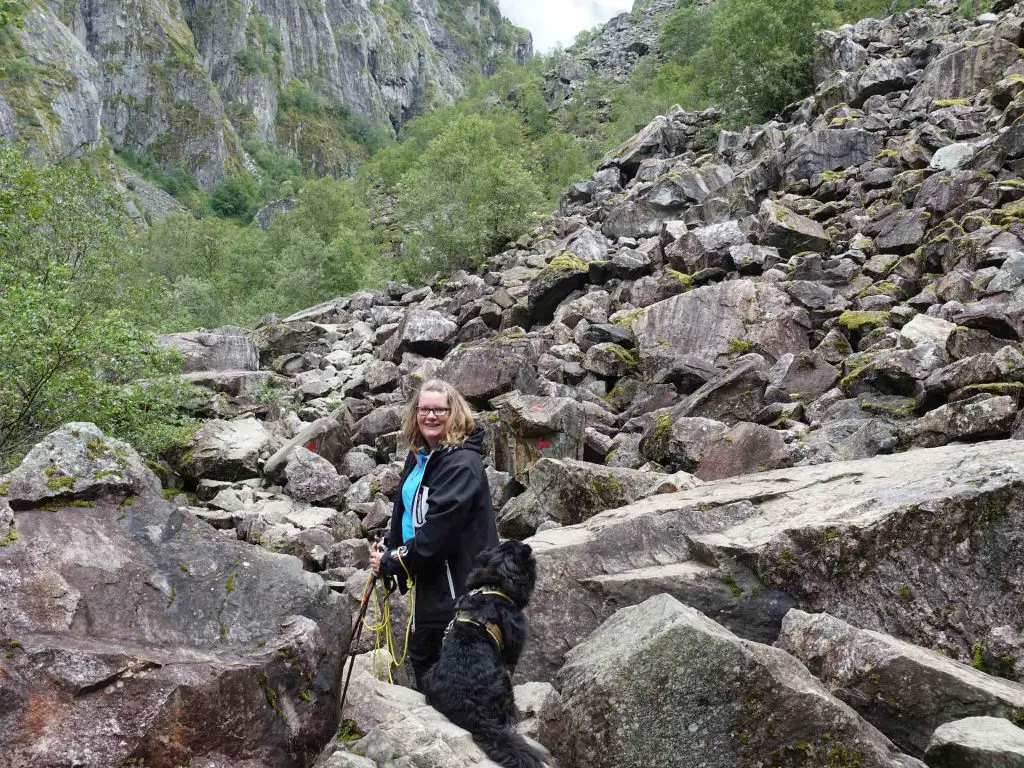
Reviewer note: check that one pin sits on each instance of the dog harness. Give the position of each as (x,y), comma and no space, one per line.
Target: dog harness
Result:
(492,629)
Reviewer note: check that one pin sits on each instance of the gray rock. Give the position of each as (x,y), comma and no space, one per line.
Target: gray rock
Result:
(903,690)
(152,618)
(614,687)
(531,428)
(705,247)
(488,368)
(329,436)
(680,442)
(744,449)
(981,418)
(77,461)
(376,423)
(977,742)
(213,351)
(829,149)
(570,491)
(423,332)
(901,514)
(715,321)
(779,227)
(313,479)
(963,70)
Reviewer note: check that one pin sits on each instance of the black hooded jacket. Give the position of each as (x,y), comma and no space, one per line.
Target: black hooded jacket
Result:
(455,522)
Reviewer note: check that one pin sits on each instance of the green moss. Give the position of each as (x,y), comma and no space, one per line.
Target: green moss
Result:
(829,534)
(9,538)
(306,696)
(943,103)
(567,261)
(786,556)
(60,483)
(739,346)
(862,243)
(83,503)
(831,176)
(95,447)
(628,357)
(172,597)
(977,659)
(730,582)
(853,320)
(626,320)
(662,426)
(606,487)
(886,153)
(349,731)
(905,594)
(888,409)
(4,488)
(129,500)
(682,278)
(229,583)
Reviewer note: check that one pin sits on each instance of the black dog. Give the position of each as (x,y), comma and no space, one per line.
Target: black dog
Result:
(471,683)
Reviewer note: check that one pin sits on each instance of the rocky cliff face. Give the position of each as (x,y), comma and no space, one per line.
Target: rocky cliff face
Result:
(185,82)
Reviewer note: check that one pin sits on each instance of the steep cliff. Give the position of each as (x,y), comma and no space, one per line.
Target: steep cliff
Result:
(187,81)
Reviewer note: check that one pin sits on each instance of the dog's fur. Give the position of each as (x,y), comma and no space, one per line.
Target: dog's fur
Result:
(471,683)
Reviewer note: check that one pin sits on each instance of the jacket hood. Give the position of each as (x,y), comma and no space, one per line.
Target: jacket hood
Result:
(473,442)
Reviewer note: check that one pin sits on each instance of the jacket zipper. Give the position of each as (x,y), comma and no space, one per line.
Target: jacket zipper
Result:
(451,584)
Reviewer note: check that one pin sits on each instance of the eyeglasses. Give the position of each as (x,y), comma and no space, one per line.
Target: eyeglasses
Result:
(432,411)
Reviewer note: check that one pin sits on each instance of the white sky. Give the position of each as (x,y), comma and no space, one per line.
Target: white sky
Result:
(558,21)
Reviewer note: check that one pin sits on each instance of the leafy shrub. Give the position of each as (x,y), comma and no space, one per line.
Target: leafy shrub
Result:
(73,312)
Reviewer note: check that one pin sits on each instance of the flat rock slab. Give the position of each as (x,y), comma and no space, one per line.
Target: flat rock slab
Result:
(904,690)
(714,321)
(841,538)
(661,684)
(977,742)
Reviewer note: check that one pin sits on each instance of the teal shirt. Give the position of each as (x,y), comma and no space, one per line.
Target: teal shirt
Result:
(409,488)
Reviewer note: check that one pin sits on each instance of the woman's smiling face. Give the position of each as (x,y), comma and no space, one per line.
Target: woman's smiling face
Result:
(431,416)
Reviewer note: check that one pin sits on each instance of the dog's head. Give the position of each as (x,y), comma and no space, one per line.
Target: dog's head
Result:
(510,567)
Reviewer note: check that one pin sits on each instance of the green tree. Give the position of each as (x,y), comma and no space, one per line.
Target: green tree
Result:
(758,58)
(237,195)
(465,197)
(71,315)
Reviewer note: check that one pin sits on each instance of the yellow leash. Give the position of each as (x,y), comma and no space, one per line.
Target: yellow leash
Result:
(381,626)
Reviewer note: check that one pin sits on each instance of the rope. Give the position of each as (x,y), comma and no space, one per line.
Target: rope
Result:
(381,626)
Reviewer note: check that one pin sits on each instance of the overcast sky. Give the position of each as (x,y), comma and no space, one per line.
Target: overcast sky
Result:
(558,21)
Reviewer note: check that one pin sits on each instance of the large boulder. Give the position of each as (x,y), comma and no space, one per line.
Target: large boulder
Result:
(570,491)
(829,149)
(158,641)
(77,461)
(661,684)
(313,479)
(978,742)
(329,436)
(902,689)
(227,450)
(217,351)
(423,332)
(779,227)
(531,428)
(717,321)
(488,368)
(962,70)
(838,538)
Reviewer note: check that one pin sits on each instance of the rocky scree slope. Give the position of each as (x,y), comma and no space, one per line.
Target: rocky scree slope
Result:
(737,381)
(185,83)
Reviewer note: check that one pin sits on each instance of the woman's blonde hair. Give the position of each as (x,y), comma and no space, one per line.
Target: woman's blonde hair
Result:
(460,418)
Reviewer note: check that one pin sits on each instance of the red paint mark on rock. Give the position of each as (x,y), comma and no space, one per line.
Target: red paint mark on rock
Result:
(311,447)
(542,444)
(537,407)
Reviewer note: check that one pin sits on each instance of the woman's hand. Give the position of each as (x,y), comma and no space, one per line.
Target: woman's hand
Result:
(376,550)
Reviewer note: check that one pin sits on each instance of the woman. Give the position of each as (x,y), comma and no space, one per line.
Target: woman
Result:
(442,518)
